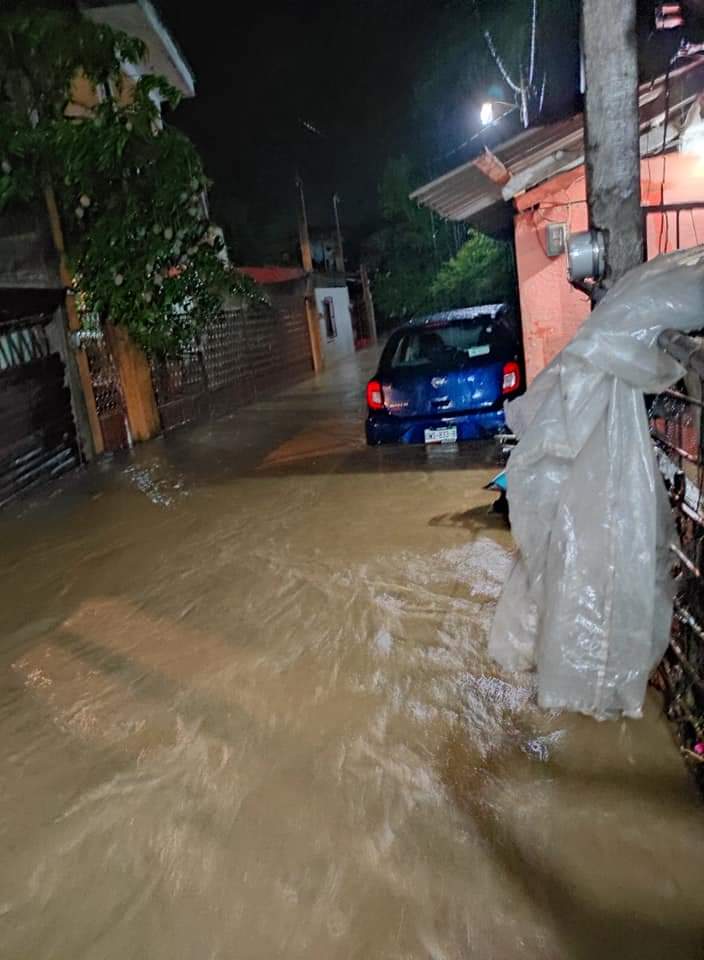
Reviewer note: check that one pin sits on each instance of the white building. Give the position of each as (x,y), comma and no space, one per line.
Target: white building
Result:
(335,316)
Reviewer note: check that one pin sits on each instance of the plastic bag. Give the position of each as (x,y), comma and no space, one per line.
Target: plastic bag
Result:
(589,600)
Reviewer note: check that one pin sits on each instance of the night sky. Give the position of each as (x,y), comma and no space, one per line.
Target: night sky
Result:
(351,69)
(346,67)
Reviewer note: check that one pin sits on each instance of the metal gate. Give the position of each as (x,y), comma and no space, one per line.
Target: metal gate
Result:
(180,387)
(107,389)
(37,431)
(676,422)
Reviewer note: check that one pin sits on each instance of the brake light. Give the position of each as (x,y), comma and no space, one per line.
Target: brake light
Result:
(375,395)
(512,377)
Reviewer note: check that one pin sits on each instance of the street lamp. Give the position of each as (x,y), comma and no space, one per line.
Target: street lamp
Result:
(487,113)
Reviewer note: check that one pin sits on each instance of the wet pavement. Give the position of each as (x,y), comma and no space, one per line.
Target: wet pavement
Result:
(246,712)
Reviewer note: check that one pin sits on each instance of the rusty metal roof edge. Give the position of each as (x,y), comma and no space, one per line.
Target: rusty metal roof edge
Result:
(470,164)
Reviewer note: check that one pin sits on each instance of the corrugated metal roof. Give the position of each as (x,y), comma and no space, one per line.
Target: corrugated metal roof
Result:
(539,153)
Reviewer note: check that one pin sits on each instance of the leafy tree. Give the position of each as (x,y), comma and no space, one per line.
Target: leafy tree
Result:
(481,272)
(130,189)
(416,267)
(403,250)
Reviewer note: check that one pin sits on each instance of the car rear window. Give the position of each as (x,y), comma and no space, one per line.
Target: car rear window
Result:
(454,344)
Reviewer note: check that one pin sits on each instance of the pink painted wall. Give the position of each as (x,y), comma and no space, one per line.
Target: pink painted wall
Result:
(552,310)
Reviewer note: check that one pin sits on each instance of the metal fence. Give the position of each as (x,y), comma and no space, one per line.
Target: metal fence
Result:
(676,423)
(245,355)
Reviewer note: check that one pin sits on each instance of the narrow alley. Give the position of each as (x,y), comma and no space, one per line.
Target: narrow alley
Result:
(247,712)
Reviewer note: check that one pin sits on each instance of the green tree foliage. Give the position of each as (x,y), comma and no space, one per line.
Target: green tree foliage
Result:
(416,267)
(481,272)
(130,189)
(402,250)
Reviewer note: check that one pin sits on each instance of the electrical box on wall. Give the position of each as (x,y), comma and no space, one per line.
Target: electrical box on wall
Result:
(555,239)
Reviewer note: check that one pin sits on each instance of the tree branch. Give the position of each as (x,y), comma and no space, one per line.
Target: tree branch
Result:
(533,30)
(499,63)
(542,93)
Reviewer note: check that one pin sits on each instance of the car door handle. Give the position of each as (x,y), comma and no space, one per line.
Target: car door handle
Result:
(440,401)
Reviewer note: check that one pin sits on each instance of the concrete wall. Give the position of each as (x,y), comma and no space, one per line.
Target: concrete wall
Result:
(551,309)
(341,345)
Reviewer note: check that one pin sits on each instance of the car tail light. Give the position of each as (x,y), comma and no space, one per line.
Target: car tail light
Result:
(375,395)
(512,377)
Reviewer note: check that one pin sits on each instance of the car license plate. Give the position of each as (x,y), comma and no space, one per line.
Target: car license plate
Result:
(441,435)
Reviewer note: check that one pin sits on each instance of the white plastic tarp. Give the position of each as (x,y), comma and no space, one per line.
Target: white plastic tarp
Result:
(588,602)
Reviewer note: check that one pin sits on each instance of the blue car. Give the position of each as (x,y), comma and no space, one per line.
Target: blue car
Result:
(444,378)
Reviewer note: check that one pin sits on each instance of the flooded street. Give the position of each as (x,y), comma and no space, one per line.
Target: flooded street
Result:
(246,712)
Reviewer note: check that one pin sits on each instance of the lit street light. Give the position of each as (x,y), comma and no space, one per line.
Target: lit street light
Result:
(487,115)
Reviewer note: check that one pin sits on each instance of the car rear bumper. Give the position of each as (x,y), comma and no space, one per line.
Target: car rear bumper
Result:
(383,428)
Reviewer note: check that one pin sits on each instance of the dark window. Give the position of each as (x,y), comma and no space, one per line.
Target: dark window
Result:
(329,315)
(453,345)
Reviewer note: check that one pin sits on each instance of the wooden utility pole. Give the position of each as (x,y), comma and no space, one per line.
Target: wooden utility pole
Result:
(312,320)
(303,231)
(612,131)
(339,249)
(368,302)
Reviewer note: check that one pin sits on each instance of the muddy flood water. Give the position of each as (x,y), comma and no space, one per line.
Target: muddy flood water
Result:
(246,712)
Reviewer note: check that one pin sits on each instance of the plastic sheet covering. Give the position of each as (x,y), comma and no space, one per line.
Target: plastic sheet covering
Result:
(589,599)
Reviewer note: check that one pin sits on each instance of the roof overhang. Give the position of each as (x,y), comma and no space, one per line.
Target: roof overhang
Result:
(537,154)
(139,18)
(269,276)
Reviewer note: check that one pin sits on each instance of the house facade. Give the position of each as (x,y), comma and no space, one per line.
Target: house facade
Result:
(332,301)
(539,177)
(672,196)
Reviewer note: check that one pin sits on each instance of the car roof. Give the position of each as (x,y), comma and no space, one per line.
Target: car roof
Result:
(450,316)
